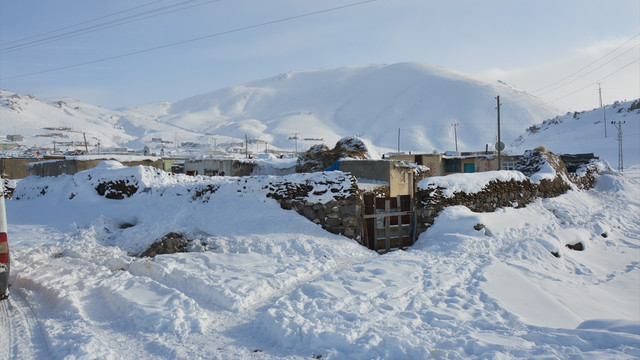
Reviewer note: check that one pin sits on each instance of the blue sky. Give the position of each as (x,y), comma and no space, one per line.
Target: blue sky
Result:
(558,49)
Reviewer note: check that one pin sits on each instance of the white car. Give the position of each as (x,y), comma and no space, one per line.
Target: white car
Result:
(4,248)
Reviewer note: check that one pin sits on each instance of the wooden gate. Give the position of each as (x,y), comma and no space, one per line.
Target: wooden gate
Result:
(388,223)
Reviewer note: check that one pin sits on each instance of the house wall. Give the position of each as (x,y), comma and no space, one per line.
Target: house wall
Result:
(492,163)
(436,162)
(15,168)
(208,167)
(271,170)
(70,167)
(7,146)
(214,167)
(433,161)
(367,169)
(400,182)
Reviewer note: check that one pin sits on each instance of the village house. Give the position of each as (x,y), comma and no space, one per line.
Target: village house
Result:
(396,177)
(459,162)
(15,138)
(218,167)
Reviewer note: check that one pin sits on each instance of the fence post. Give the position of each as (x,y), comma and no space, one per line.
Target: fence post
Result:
(369,230)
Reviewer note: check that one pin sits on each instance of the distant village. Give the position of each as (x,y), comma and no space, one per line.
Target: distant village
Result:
(385,211)
(398,171)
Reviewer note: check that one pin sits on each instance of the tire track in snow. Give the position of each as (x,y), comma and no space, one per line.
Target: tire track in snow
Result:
(5,329)
(26,337)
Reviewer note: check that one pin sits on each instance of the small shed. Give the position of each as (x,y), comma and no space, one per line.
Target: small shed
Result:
(575,161)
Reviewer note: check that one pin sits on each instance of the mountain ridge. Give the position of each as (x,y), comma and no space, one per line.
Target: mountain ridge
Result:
(372,101)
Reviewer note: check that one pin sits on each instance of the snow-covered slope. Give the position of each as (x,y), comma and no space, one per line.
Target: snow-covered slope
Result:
(371,101)
(262,282)
(66,120)
(584,132)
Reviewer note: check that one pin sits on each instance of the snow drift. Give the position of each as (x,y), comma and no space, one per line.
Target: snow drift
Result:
(260,281)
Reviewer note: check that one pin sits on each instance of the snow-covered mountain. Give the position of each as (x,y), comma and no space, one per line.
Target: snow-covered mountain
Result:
(372,101)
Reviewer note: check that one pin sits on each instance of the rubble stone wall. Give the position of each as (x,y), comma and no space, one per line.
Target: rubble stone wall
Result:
(339,216)
(497,194)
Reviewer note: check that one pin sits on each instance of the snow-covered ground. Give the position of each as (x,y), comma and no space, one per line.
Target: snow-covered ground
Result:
(262,282)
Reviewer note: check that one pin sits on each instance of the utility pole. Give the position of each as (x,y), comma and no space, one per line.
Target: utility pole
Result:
(86,148)
(398,141)
(499,145)
(604,110)
(246,146)
(618,125)
(295,138)
(455,134)
(98,144)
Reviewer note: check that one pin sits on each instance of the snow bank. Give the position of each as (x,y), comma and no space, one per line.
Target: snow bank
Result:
(468,182)
(260,281)
(468,291)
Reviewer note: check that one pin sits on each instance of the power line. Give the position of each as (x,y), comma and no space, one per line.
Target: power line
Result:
(583,75)
(597,81)
(107,25)
(575,91)
(191,40)
(78,24)
(586,66)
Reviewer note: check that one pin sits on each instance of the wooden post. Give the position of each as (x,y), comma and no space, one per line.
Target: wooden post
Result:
(369,228)
(387,223)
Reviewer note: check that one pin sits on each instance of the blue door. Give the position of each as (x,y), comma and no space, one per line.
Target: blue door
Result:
(469,168)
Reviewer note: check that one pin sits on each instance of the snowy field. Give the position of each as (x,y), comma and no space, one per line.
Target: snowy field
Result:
(261,282)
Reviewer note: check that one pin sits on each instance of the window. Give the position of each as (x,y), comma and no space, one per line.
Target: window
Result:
(509,165)
(452,165)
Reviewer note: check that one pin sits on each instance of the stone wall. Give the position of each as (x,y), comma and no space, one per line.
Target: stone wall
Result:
(512,193)
(341,215)
(337,216)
